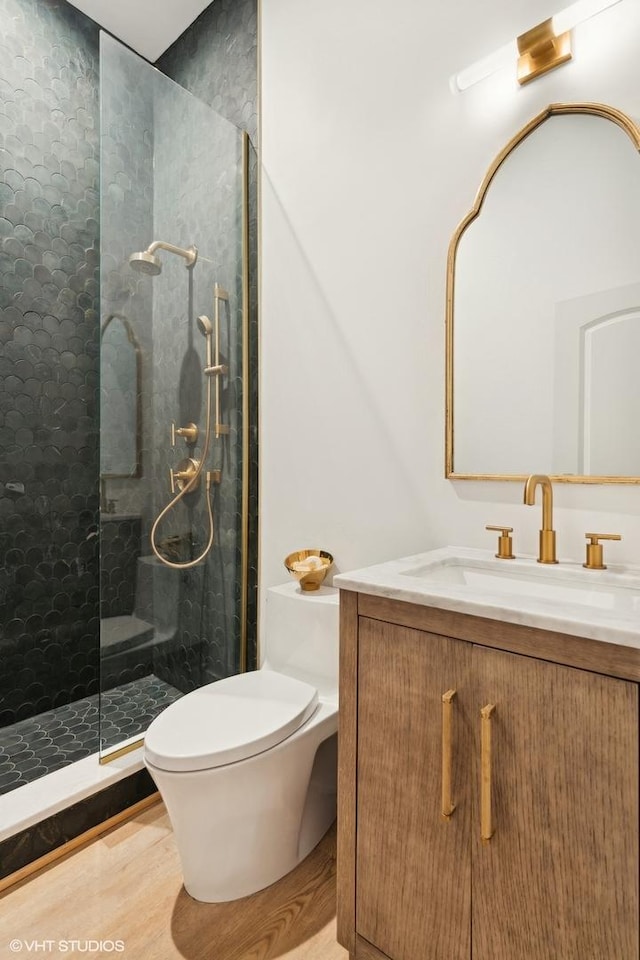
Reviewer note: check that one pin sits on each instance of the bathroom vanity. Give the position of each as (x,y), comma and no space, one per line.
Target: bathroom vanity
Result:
(489,760)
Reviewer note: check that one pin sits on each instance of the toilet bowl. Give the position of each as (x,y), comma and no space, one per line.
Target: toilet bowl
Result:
(246,766)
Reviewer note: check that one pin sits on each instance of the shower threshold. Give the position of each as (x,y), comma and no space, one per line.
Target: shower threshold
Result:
(40,745)
(55,792)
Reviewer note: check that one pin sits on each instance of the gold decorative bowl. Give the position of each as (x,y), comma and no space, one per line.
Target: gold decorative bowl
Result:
(309,567)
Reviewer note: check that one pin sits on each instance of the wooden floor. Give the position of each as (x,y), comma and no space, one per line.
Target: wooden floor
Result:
(126,886)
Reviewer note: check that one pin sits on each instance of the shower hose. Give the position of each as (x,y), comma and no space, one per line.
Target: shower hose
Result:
(188,487)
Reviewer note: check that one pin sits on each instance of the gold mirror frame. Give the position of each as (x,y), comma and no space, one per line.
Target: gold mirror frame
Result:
(553,110)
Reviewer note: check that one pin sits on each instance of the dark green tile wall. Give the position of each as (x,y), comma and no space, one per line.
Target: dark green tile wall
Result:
(216,60)
(49,226)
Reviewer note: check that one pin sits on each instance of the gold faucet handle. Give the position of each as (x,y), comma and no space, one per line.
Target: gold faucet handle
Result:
(505,542)
(594,559)
(176,478)
(186,477)
(189,433)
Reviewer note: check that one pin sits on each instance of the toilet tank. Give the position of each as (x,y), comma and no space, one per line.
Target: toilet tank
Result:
(300,635)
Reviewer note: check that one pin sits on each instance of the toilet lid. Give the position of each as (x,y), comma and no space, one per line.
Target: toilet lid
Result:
(229,720)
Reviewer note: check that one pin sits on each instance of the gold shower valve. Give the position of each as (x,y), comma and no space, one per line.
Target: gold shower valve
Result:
(594,559)
(505,542)
(190,433)
(185,473)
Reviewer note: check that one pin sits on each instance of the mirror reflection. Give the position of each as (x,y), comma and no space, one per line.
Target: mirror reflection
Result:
(544,294)
(119,399)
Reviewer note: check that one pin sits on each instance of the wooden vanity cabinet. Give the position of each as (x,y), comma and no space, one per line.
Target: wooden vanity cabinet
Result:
(558,880)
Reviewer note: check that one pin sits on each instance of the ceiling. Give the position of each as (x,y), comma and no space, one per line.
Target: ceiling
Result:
(147,26)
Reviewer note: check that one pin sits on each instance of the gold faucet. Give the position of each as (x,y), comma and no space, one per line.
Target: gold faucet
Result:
(547,552)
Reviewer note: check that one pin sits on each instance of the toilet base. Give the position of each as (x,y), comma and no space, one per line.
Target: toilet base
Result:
(241,827)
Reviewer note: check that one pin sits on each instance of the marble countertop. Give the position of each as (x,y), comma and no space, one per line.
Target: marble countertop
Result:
(566,598)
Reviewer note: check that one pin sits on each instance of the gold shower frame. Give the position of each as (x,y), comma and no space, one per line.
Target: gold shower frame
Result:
(555,109)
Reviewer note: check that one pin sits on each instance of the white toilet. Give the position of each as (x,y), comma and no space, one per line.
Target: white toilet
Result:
(247,766)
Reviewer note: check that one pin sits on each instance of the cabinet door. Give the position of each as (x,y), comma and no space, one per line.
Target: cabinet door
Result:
(559,878)
(413,865)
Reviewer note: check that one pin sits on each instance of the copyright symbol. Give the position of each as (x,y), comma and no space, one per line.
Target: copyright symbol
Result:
(15,946)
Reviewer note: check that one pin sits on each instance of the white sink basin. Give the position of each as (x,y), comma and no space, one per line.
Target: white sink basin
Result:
(569,585)
(563,597)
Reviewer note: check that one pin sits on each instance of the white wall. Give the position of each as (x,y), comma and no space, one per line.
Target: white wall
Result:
(369,163)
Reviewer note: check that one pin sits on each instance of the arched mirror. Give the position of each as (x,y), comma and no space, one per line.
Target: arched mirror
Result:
(120,399)
(543,306)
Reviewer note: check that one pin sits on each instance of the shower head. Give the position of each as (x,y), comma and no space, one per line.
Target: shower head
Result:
(145,262)
(205,326)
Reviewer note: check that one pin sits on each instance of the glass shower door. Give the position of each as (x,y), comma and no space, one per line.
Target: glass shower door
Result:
(173,338)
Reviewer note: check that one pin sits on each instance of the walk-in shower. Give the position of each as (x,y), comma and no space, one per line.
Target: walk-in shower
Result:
(181,209)
(168,602)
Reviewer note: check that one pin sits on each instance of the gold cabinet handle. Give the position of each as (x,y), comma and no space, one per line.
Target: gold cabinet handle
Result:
(448,806)
(486,819)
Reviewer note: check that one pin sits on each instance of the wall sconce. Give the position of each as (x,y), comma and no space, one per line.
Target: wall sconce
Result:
(543,48)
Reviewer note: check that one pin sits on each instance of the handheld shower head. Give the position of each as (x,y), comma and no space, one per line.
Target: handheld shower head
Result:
(206,329)
(205,326)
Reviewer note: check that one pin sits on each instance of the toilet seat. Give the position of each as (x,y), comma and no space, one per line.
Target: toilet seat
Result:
(228,721)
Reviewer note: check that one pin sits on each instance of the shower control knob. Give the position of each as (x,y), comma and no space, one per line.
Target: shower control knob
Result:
(185,473)
(190,433)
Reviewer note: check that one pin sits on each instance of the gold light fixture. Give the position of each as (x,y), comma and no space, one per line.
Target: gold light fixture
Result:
(541,50)
(538,50)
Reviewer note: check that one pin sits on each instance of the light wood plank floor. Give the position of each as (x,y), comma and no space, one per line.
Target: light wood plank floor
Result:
(126,886)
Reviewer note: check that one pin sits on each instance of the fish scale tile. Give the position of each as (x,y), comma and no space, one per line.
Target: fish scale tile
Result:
(39,745)
(48,223)
(49,286)
(216,60)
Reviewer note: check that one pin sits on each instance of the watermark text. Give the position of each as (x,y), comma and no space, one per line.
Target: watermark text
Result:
(66,946)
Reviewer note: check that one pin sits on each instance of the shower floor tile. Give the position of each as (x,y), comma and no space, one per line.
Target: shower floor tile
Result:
(31,748)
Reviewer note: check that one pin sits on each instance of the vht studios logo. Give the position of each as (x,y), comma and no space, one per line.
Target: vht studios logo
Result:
(67,946)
